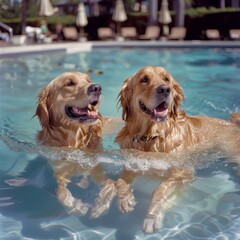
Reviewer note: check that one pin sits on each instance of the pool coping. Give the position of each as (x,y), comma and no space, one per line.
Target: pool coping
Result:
(72,47)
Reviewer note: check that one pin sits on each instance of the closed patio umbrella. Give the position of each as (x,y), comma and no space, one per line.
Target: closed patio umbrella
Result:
(165,17)
(81,20)
(119,15)
(46,8)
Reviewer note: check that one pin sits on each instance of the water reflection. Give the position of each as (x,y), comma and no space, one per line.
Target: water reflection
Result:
(31,196)
(206,208)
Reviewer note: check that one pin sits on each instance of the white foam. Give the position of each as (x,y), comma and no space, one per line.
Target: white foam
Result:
(133,160)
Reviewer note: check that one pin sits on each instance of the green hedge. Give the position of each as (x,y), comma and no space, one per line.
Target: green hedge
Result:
(69,20)
(198,12)
(51,20)
(195,12)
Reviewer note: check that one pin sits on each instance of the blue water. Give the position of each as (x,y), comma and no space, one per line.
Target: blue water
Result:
(207,208)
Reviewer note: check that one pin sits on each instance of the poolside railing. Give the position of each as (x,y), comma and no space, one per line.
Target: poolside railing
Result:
(8,29)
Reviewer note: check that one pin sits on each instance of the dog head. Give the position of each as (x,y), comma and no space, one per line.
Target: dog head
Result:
(69,99)
(150,93)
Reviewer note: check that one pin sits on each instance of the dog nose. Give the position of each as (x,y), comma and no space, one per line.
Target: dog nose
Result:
(95,89)
(163,90)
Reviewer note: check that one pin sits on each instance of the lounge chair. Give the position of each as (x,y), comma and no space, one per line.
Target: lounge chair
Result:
(151,33)
(213,34)
(129,32)
(105,33)
(234,34)
(70,33)
(177,33)
(33,33)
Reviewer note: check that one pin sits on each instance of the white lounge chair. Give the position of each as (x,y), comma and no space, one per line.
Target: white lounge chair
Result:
(177,33)
(151,33)
(105,33)
(129,32)
(213,34)
(70,33)
(234,34)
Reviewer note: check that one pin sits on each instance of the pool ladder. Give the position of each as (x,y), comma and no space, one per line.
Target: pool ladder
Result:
(8,29)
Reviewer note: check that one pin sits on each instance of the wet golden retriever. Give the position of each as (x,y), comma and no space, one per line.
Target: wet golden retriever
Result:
(154,122)
(68,112)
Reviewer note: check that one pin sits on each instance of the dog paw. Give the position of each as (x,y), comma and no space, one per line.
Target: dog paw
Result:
(126,200)
(79,208)
(152,223)
(102,203)
(73,205)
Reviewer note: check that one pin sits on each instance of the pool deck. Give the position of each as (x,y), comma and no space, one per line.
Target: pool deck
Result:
(72,47)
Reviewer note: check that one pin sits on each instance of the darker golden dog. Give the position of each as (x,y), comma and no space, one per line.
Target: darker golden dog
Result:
(154,122)
(68,112)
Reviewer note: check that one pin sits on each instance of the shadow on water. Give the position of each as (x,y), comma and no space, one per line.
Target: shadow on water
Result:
(204,208)
(30,197)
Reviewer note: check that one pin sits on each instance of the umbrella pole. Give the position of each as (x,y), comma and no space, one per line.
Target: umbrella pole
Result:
(81,31)
(165,30)
(82,38)
(119,29)
(24,16)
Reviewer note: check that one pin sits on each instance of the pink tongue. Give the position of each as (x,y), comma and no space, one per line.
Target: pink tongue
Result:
(161,110)
(80,111)
(93,113)
(160,114)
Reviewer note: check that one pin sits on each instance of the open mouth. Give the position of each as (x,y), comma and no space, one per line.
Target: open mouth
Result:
(158,114)
(86,114)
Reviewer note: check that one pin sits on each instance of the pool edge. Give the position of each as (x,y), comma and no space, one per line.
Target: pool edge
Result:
(72,47)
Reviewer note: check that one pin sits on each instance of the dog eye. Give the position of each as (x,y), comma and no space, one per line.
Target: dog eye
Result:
(166,79)
(144,79)
(70,83)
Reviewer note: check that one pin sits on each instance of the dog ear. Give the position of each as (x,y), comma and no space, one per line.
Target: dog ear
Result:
(42,110)
(178,98)
(124,98)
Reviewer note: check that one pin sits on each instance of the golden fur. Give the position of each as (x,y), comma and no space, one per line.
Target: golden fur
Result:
(154,122)
(57,128)
(177,132)
(67,109)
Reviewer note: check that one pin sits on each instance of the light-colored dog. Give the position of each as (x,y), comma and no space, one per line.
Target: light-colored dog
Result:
(150,102)
(68,112)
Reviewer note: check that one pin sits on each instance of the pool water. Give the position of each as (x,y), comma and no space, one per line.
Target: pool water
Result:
(207,208)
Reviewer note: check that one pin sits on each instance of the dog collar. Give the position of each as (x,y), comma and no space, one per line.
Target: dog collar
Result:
(144,138)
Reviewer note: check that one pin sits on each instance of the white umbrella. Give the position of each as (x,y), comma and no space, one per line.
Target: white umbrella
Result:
(81,20)
(81,16)
(119,14)
(165,17)
(46,8)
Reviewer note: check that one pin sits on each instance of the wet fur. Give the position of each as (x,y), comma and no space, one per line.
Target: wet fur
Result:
(179,133)
(59,130)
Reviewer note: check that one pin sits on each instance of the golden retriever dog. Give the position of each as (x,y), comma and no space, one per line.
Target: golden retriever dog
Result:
(154,122)
(68,112)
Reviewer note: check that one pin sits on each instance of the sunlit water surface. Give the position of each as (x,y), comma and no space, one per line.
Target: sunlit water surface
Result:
(207,208)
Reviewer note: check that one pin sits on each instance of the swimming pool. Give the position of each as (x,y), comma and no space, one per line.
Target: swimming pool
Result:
(208,208)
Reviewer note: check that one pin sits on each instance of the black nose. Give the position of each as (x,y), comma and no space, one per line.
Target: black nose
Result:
(163,90)
(94,89)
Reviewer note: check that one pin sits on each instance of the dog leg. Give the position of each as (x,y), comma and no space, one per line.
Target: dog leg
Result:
(154,217)
(73,205)
(126,200)
(64,170)
(102,203)
(110,188)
